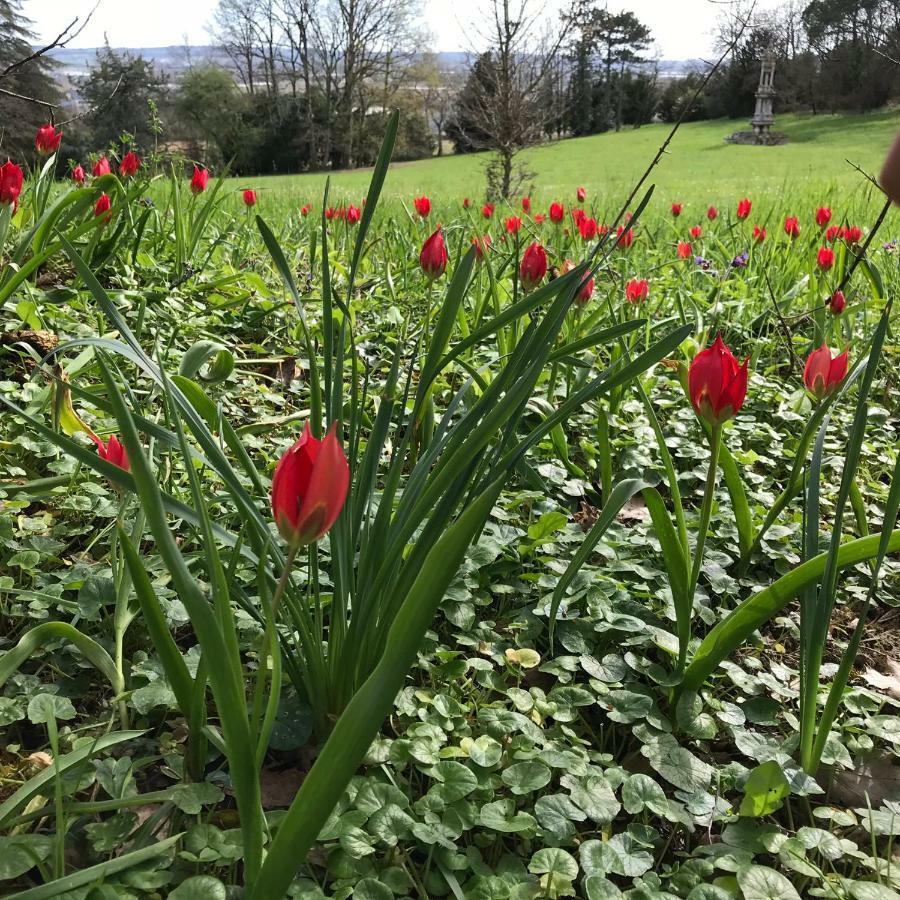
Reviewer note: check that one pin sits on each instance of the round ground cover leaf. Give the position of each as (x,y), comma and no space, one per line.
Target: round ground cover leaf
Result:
(525,777)
(371,889)
(191,798)
(641,791)
(457,780)
(553,861)
(628,706)
(868,890)
(22,852)
(764,791)
(485,751)
(678,765)
(200,887)
(596,887)
(763,883)
(44,707)
(390,824)
(501,815)
(594,795)
(556,814)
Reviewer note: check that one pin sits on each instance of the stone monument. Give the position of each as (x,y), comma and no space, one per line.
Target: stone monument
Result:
(763,117)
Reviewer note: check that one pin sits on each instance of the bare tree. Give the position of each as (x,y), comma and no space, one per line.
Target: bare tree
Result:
(501,109)
(438,88)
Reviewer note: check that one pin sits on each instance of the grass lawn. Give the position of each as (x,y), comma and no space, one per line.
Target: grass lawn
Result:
(699,163)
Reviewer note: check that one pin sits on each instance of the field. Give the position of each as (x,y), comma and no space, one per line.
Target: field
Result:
(609,164)
(343,556)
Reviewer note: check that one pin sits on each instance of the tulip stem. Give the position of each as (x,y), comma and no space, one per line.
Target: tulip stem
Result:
(715,442)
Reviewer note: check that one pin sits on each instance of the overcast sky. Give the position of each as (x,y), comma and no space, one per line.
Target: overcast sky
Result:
(681,27)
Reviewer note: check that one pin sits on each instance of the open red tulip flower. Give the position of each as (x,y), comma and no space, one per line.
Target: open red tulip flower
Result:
(130,164)
(433,257)
(47,139)
(824,373)
(637,290)
(112,451)
(685,251)
(716,383)
(309,487)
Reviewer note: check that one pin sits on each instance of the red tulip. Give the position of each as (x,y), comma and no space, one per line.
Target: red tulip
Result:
(466,203)
(249,197)
(433,258)
(792,227)
(112,451)
(423,206)
(539,218)
(587,228)
(712,213)
(512,224)
(10,184)
(637,290)
(78,175)
(199,180)
(716,383)
(329,211)
(685,251)
(743,208)
(759,234)
(578,214)
(832,233)
(101,167)
(852,235)
(624,236)
(102,206)
(481,245)
(309,487)
(695,232)
(526,204)
(676,210)
(47,139)
(487,210)
(581,194)
(131,162)
(823,216)
(354,214)
(823,373)
(305,209)
(838,303)
(557,212)
(533,267)
(825,258)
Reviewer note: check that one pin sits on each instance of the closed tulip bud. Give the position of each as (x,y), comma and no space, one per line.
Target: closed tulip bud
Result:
(354,214)
(249,197)
(637,290)
(512,224)
(696,232)
(624,236)
(305,209)
(685,251)
(101,207)
(481,245)
(130,164)
(533,267)
(10,184)
(487,210)
(199,180)
(676,210)
(831,234)
(712,213)
(716,383)
(47,139)
(466,203)
(423,206)
(112,451)
(329,211)
(825,258)
(838,303)
(587,228)
(309,487)
(823,374)
(433,258)
(823,216)
(759,234)
(743,208)
(557,213)
(78,175)
(526,204)
(101,167)
(581,194)
(854,234)
(792,227)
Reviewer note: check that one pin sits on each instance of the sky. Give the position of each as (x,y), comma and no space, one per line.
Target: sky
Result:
(681,28)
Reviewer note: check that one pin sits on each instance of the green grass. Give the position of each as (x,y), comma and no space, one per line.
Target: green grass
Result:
(700,166)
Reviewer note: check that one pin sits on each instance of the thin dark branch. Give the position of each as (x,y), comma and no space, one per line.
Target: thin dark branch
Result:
(96,107)
(784,325)
(28,99)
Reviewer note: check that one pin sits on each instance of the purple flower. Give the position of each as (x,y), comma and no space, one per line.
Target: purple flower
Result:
(703,263)
(740,261)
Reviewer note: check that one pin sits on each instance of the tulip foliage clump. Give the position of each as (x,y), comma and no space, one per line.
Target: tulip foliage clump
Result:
(431,546)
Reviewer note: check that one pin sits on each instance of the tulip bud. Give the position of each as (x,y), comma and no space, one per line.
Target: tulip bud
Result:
(481,245)
(433,258)
(423,206)
(716,383)
(199,180)
(676,210)
(305,209)
(581,194)
(466,203)
(838,303)
(587,227)
(249,197)
(309,487)
(759,234)
(624,237)
(487,210)
(47,139)
(512,224)
(831,233)
(557,213)
(743,208)
(825,258)
(526,204)
(823,216)
(131,162)
(712,213)
(101,207)
(101,167)
(10,184)
(695,232)
(533,267)
(112,451)
(685,251)
(78,175)
(823,374)
(792,227)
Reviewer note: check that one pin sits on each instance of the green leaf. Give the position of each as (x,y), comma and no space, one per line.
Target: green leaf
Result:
(552,860)
(191,798)
(594,795)
(457,780)
(763,883)
(526,777)
(44,707)
(22,852)
(765,790)
(501,815)
(200,887)
(485,751)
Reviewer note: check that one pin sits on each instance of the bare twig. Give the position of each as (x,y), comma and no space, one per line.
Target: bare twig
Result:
(784,325)
(69,33)
(865,174)
(96,107)
(7,93)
